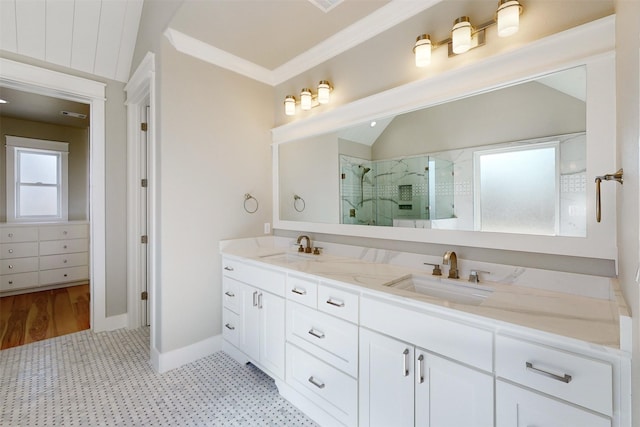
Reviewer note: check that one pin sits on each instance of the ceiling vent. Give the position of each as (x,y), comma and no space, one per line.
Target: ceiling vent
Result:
(72,114)
(326,5)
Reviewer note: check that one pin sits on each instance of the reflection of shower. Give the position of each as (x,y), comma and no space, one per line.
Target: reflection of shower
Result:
(364,172)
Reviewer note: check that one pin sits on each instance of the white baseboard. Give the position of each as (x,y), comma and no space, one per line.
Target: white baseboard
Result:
(164,362)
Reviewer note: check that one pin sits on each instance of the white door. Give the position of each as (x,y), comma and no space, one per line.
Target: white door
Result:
(517,407)
(249,340)
(386,381)
(451,395)
(272,332)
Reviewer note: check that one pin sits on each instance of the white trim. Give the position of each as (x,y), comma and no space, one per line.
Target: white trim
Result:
(141,88)
(592,44)
(38,144)
(46,82)
(377,22)
(118,321)
(164,362)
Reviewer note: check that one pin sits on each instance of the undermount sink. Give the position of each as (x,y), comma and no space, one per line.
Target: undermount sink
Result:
(446,289)
(287,257)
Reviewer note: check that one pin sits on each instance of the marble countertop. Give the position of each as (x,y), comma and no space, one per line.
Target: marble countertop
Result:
(586,318)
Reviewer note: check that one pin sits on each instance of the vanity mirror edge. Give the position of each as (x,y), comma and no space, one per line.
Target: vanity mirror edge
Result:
(591,45)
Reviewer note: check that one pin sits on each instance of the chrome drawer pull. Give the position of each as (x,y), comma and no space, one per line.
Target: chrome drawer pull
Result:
(335,303)
(228,268)
(405,356)
(255,298)
(421,369)
(299,292)
(228,326)
(230,294)
(260,300)
(316,334)
(565,379)
(10,266)
(315,382)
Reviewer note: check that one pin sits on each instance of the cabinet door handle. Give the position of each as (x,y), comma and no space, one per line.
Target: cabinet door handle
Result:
(65,261)
(566,378)
(65,274)
(316,334)
(228,268)
(64,247)
(10,267)
(315,382)
(335,303)
(299,292)
(11,282)
(10,251)
(255,298)
(10,234)
(260,300)
(405,357)
(230,294)
(421,369)
(228,326)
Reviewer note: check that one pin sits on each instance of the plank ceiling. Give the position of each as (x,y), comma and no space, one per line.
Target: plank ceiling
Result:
(93,36)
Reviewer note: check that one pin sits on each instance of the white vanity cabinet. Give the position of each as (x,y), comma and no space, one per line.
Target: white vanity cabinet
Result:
(254,314)
(578,390)
(405,385)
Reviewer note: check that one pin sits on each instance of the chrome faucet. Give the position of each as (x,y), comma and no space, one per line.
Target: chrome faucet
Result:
(307,249)
(451,259)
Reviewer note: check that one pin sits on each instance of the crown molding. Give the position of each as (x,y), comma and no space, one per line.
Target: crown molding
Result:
(379,21)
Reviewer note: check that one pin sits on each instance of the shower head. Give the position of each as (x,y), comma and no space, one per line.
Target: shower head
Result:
(364,169)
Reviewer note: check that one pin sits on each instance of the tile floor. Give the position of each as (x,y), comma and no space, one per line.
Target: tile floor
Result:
(88,379)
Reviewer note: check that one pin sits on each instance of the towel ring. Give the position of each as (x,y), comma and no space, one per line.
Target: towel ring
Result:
(249,209)
(296,205)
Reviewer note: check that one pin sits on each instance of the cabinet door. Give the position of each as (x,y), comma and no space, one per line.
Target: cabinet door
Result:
(249,340)
(517,407)
(272,332)
(386,381)
(451,395)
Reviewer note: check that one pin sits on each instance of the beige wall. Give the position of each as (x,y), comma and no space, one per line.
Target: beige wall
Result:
(116,192)
(78,140)
(628,135)
(214,148)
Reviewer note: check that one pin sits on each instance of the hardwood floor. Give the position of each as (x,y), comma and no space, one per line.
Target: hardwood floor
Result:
(45,314)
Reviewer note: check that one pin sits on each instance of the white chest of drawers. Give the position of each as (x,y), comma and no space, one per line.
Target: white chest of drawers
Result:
(34,256)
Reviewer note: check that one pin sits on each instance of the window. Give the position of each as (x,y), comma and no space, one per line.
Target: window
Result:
(36,180)
(517,189)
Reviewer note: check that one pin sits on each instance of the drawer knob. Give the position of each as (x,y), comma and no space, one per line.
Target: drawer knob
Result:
(10,267)
(64,247)
(298,291)
(566,378)
(65,275)
(64,261)
(228,268)
(335,303)
(10,234)
(230,294)
(11,282)
(229,327)
(64,232)
(316,382)
(316,334)
(10,251)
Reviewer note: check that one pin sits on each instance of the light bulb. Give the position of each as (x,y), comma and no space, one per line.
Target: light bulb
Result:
(422,50)
(461,35)
(290,105)
(508,17)
(305,99)
(324,89)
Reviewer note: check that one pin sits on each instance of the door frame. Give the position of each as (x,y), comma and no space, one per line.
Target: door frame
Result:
(139,91)
(42,81)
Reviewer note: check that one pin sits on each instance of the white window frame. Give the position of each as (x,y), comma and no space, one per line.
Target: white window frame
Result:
(14,145)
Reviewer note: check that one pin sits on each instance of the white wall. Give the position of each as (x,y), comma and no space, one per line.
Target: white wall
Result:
(628,135)
(214,147)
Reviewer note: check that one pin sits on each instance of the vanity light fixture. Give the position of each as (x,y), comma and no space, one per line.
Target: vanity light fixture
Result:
(308,99)
(465,37)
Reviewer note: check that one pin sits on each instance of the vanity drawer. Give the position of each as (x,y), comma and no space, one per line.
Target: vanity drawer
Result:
(331,339)
(574,378)
(231,294)
(61,261)
(62,275)
(263,278)
(53,247)
(18,265)
(231,327)
(18,250)
(302,290)
(18,234)
(327,387)
(10,282)
(338,302)
(61,232)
